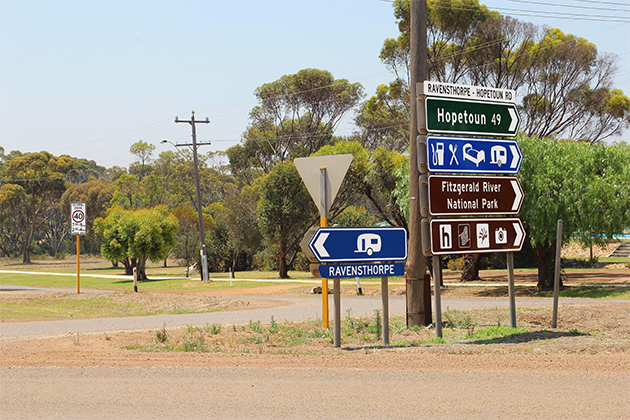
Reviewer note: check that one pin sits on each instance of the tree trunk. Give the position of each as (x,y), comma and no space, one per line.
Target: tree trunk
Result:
(471,267)
(128,266)
(141,268)
(545,261)
(234,260)
(283,268)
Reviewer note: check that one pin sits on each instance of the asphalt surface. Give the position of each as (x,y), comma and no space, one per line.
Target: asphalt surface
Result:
(311,393)
(307,392)
(288,309)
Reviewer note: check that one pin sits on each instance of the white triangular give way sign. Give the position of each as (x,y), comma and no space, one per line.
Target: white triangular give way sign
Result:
(310,170)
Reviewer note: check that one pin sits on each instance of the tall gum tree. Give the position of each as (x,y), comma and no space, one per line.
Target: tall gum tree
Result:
(297,115)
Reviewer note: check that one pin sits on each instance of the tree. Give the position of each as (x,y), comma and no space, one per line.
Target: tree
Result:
(135,236)
(285,212)
(97,196)
(144,152)
(586,186)
(568,91)
(297,115)
(35,182)
(371,180)
(240,218)
(565,84)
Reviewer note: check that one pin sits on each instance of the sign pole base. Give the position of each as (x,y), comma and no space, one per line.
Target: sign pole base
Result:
(510,267)
(437,282)
(337,298)
(385,314)
(78,265)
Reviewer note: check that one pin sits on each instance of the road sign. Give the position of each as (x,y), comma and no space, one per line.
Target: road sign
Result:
(304,244)
(362,270)
(460,116)
(310,170)
(359,244)
(473,236)
(446,154)
(77,219)
(480,93)
(474,195)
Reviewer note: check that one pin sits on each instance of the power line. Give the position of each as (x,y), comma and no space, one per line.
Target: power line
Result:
(571,6)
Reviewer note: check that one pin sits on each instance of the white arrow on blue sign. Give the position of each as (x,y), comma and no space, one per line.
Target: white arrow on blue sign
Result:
(447,154)
(333,245)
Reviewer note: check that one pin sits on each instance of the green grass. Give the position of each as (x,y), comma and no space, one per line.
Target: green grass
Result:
(69,281)
(56,307)
(593,293)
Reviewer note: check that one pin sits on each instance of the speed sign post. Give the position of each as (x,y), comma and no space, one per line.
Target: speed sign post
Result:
(78,228)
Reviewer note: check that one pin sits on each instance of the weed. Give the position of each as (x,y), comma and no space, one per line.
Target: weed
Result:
(108,337)
(255,326)
(212,329)
(196,343)
(76,339)
(161,336)
(415,328)
(273,328)
(435,340)
(401,343)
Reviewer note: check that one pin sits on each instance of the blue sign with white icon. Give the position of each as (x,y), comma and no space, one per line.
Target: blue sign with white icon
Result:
(362,270)
(331,245)
(447,154)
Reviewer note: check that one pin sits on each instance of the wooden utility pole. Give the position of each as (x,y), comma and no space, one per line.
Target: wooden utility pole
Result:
(418,286)
(194,145)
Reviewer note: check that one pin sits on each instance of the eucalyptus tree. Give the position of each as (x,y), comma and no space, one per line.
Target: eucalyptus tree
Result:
(297,115)
(135,236)
(33,183)
(586,186)
(285,212)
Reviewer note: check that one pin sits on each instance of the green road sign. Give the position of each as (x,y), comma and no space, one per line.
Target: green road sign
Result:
(459,116)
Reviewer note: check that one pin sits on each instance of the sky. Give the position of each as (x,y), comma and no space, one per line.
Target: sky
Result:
(90,78)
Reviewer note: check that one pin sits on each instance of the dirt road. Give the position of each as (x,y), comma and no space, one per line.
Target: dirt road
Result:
(314,392)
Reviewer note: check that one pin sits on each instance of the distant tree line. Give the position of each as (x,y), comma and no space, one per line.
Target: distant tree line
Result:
(255,207)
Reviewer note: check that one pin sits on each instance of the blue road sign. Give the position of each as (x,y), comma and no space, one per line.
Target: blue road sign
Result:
(361,270)
(447,154)
(359,244)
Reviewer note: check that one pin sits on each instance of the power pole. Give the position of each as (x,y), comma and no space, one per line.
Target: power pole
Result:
(418,283)
(202,234)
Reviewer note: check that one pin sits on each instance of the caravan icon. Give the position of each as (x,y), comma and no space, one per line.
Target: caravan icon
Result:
(369,243)
(498,155)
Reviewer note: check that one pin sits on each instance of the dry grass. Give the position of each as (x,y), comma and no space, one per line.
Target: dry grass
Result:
(582,329)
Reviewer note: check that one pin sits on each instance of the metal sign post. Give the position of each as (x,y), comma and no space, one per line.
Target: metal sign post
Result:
(479,111)
(323,176)
(78,227)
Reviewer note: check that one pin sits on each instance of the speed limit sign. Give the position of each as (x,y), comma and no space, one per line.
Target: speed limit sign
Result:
(78,222)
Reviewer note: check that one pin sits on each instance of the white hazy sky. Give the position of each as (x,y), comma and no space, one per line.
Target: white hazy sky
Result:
(90,78)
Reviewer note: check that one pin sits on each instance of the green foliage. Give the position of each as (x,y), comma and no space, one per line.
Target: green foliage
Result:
(33,184)
(137,234)
(353,216)
(297,115)
(373,178)
(285,212)
(585,186)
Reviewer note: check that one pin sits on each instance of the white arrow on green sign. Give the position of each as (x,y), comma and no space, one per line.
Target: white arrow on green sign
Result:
(451,116)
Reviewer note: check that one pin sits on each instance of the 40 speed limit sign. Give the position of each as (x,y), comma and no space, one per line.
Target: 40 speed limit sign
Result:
(77,218)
